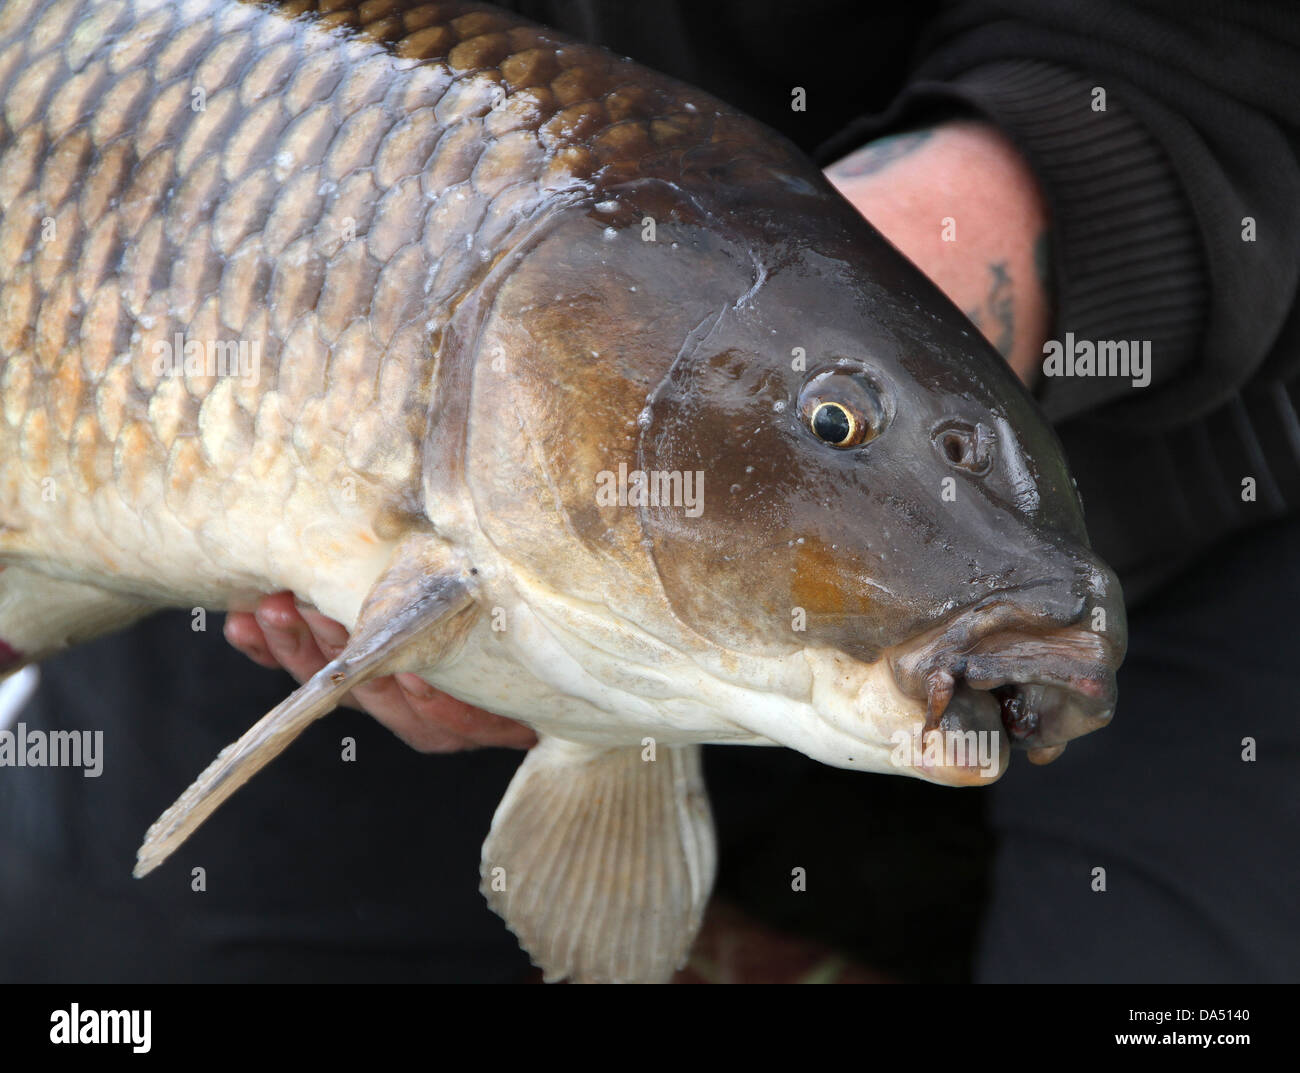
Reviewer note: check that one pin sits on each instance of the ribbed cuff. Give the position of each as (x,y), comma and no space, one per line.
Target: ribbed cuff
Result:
(1127,261)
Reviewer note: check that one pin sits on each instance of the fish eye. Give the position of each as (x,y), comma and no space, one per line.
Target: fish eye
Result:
(842,409)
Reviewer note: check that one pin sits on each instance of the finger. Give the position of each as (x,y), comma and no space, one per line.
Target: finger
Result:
(474,724)
(386,701)
(242,631)
(287,636)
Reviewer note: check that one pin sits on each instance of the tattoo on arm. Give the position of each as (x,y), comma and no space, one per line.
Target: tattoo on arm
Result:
(996,317)
(878,155)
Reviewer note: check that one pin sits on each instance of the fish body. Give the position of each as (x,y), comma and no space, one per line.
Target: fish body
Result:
(554,380)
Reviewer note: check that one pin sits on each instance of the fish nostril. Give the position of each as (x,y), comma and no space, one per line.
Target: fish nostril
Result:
(968,447)
(954,448)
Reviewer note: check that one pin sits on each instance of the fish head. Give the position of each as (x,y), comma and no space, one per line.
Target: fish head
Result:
(832,476)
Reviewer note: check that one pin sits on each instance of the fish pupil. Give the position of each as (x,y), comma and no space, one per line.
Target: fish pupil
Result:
(832,423)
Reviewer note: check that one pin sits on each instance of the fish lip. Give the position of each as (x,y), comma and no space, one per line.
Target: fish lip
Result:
(1054,681)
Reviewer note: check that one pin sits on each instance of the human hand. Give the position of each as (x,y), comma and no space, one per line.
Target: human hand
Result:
(961,202)
(302,641)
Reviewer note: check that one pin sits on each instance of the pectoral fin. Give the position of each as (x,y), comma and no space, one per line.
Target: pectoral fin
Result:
(601,861)
(410,620)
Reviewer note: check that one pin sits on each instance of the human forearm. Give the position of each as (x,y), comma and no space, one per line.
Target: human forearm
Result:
(960,201)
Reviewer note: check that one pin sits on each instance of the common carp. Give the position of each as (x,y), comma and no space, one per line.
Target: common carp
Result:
(557,382)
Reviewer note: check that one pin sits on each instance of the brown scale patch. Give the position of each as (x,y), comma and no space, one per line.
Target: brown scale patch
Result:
(106,180)
(254,139)
(166,114)
(351,208)
(307,138)
(206,325)
(271,69)
(182,50)
(65,390)
(90,462)
(345,295)
(525,110)
(16,380)
(20,225)
(353,373)
(60,253)
(101,251)
(311,82)
(195,273)
(52,26)
(399,218)
(102,330)
(417,18)
(355,143)
(470,97)
(96,27)
(294,212)
(31,90)
(36,443)
(623,141)
(130,51)
(184,472)
(630,102)
(485,50)
(243,284)
(223,63)
(148,258)
(138,464)
(225,429)
(395,301)
(406,147)
(386,30)
(55,321)
(171,409)
(504,160)
(143,199)
(206,131)
(302,373)
(362,85)
(20,163)
(114,391)
(457,154)
(576,123)
(295,288)
(75,98)
(120,110)
(17,313)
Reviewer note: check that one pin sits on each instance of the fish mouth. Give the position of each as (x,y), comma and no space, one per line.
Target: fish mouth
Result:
(1044,686)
